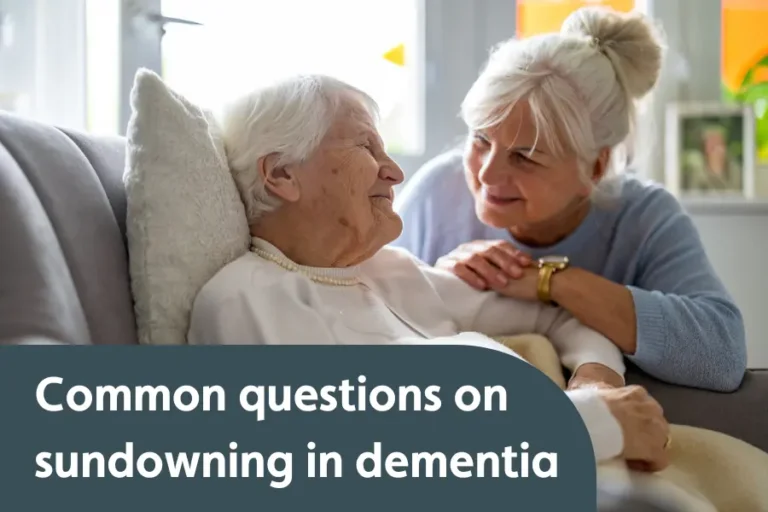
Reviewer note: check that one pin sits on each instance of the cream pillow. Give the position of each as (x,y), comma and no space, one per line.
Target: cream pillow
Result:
(185,218)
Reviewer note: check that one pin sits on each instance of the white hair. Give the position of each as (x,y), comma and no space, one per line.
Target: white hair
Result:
(581,84)
(288,118)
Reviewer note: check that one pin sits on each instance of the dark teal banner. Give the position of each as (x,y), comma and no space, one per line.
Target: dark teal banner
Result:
(290,428)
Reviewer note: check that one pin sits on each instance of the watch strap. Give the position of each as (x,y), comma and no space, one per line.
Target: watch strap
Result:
(544,283)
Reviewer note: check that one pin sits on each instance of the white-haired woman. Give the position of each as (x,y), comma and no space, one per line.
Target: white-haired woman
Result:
(318,190)
(537,186)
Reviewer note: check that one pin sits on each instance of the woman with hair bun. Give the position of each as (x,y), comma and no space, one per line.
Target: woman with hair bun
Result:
(536,205)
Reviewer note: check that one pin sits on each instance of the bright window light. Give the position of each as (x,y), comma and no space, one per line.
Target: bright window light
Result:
(375,45)
(102,23)
(543,16)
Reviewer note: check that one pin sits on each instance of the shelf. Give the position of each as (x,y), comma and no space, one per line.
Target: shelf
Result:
(725,205)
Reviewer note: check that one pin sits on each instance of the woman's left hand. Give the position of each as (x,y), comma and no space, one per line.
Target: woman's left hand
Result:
(490,264)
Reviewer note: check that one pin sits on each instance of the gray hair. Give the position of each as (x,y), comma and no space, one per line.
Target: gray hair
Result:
(288,118)
(581,84)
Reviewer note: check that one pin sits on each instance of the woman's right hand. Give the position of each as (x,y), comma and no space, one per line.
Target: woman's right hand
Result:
(486,264)
(645,429)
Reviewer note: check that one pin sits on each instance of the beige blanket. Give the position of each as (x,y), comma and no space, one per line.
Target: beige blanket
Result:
(709,471)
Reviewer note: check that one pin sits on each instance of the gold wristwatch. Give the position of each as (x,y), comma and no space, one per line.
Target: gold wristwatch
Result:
(548,265)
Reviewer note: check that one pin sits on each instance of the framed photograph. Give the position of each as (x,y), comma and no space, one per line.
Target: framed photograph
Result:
(710,150)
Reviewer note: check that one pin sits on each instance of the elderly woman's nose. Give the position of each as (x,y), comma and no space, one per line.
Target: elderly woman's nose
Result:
(390,171)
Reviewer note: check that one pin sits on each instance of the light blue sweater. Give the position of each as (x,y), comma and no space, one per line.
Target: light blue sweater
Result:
(689,331)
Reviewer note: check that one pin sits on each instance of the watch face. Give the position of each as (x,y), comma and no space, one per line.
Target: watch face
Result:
(555,260)
(559,262)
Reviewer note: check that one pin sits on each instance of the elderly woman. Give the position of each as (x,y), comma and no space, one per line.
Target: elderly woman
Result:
(534,207)
(318,190)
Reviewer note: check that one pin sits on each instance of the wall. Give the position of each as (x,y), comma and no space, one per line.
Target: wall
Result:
(691,70)
(736,239)
(734,235)
(139,47)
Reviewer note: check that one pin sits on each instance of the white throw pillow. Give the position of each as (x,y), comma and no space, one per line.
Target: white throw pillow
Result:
(185,218)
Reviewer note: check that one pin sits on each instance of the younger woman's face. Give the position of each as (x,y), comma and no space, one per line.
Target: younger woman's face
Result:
(516,178)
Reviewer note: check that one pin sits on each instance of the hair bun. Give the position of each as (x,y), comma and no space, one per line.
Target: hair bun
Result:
(630,40)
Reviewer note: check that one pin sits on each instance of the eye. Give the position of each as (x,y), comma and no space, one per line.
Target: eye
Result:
(520,158)
(480,140)
(368,147)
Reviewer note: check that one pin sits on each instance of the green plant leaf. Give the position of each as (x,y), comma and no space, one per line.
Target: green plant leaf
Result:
(752,70)
(755,92)
(729,96)
(761,137)
(751,95)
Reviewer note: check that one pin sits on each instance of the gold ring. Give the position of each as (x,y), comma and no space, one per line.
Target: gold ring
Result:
(669,442)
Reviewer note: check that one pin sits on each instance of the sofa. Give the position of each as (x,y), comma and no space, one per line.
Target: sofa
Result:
(64,265)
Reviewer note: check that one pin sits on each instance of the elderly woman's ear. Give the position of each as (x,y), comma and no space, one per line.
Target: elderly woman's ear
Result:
(279,180)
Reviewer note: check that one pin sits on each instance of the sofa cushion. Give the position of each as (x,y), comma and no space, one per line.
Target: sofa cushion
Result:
(185,219)
(64,264)
(742,414)
(107,156)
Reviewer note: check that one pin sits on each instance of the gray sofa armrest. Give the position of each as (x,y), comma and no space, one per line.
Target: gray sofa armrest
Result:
(742,414)
(31,340)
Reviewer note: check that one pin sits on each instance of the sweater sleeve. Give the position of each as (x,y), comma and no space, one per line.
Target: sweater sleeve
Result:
(604,430)
(495,315)
(689,330)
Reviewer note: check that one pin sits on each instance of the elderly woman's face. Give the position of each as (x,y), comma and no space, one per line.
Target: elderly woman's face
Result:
(346,187)
(515,177)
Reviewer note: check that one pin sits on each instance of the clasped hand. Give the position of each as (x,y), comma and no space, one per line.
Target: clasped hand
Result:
(493,265)
(498,265)
(644,427)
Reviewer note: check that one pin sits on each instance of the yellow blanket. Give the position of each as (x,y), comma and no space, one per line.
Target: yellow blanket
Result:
(709,471)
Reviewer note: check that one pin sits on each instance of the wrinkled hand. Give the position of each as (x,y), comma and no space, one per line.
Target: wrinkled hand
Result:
(644,426)
(486,264)
(595,375)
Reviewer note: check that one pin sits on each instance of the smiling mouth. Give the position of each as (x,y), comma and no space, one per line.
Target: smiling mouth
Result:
(499,200)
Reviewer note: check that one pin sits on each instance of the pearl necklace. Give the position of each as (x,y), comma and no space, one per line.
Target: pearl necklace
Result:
(293,267)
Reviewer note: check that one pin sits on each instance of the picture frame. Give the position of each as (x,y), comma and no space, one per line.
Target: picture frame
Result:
(710,150)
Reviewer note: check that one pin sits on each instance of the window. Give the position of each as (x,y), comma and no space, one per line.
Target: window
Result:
(745,62)
(102,37)
(542,16)
(42,62)
(241,45)
(417,58)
